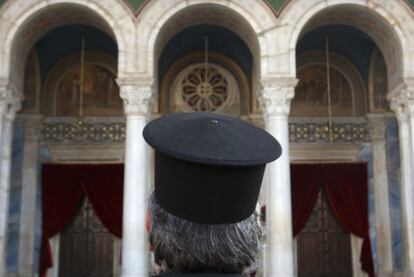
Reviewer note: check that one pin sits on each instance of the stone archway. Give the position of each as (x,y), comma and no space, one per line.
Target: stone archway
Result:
(22,24)
(382,21)
(241,17)
(386,24)
(25,22)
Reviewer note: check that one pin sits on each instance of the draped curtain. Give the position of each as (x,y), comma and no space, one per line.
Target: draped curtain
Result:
(63,188)
(346,189)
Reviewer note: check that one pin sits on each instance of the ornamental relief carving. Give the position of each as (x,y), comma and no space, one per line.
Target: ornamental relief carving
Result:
(110,130)
(137,99)
(202,88)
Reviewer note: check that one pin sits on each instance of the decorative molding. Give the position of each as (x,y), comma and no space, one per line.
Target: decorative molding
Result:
(323,152)
(316,130)
(112,130)
(91,130)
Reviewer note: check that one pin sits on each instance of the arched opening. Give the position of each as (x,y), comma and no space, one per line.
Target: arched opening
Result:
(208,39)
(64,60)
(348,58)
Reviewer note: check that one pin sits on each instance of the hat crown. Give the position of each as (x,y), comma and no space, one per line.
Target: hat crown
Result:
(211,139)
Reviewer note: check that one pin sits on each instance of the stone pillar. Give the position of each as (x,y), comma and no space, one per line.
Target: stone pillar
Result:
(275,99)
(137,99)
(382,208)
(28,197)
(8,109)
(401,103)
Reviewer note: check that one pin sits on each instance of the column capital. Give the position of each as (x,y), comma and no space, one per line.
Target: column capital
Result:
(376,126)
(402,101)
(137,97)
(275,97)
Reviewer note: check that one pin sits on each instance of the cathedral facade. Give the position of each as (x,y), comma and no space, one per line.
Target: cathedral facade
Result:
(332,80)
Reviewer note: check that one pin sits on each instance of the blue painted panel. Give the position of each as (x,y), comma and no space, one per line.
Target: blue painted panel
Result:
(394,182)
(15,197)
(43,155)
(366,155)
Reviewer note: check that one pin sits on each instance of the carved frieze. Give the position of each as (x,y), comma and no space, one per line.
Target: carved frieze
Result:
(344,130)
(108,130)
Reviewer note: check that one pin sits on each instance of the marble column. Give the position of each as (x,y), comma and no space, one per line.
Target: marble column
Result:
(32,124)
(377,125)
(401,103)
(137,106)
(275,98)
(8,110)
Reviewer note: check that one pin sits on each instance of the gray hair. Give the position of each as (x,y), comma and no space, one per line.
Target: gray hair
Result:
(185,246)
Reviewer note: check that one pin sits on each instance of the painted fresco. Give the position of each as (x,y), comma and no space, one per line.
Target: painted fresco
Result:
(311,93)
(100,96)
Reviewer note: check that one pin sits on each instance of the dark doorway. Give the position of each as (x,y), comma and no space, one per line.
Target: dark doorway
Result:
(323,246)
(86,246)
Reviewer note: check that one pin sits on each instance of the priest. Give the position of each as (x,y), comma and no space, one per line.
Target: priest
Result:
(202,217)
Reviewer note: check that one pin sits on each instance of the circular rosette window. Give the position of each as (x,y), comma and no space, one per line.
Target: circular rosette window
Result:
(204,89)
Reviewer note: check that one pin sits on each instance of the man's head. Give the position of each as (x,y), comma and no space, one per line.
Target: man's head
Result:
(208,173)
(181,245)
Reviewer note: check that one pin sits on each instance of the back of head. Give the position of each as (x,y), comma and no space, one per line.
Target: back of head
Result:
(189,247)
(208,173)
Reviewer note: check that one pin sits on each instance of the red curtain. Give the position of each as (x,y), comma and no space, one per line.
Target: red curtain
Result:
(60,198)
(346,189)
(63,187)
(305,185)
(105,193)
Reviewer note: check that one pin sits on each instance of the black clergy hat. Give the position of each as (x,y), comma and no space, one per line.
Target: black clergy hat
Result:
(209,167)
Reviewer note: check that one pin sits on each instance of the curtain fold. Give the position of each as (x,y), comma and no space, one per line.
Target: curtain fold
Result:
(63,188)
(105,193)
(346,190)
(305,186)
(60,199)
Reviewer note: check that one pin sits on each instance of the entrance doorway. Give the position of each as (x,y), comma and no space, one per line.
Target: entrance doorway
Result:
(323,246)
(329,203)
(83,204)
(86,246)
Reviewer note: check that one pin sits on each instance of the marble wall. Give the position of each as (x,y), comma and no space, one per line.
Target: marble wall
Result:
(365,155)
(393,164)
(393,169)
(15,196)
(44,155)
